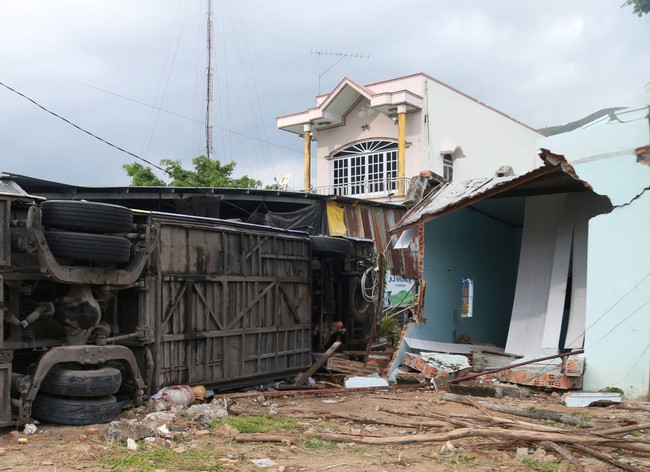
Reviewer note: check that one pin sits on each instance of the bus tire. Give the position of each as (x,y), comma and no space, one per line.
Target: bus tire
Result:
(88,247)
(75,411)
(82,381)
(86,216)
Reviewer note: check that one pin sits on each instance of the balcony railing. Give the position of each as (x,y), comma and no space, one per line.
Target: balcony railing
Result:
(365,189)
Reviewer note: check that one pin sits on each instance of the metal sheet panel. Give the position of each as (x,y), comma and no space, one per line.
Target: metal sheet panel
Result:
(365,221)
(234,305)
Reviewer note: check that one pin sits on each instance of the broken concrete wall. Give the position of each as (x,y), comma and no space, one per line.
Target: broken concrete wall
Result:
(468,244)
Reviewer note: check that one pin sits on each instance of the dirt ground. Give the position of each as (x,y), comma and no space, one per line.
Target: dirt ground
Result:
(308,419)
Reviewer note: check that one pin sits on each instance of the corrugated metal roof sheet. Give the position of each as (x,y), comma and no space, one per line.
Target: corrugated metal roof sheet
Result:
(454,195)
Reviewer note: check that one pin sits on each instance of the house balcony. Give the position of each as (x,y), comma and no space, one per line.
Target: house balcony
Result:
(370,189)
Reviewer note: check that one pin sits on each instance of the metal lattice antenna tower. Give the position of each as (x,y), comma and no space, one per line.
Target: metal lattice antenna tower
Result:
(353,55)
(210,72)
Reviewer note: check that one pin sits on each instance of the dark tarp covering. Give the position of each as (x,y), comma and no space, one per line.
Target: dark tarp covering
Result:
(311,219)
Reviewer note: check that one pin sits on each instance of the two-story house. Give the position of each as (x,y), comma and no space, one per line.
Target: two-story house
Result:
(371,139)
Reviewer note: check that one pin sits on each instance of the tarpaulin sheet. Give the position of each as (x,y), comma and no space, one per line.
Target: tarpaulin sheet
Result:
(310,219)
(336,219)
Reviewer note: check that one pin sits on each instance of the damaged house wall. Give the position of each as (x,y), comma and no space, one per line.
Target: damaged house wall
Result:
(469,244)
(584,272)
(612,155)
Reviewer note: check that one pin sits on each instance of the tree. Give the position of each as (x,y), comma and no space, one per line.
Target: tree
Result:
(142,176)
(206,173)
(641,7)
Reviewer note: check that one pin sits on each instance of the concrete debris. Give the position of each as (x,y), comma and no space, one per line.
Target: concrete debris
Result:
(30,428)
(584,399)
(163,432)
(405,377)
(553,373)
(522,451)
(448,448)
(433,365)
(207,413)
(160,418)
(131,445)
(124,429)
(264,463)
(365,382)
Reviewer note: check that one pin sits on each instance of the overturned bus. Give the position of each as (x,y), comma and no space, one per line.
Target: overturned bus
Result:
(103,305)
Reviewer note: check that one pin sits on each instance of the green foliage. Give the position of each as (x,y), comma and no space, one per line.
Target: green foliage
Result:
(206,173)
(456,460)
(390,329)
(159,457)
(142,176)
(641,7)
(263,423)
(317,442)
(542,466)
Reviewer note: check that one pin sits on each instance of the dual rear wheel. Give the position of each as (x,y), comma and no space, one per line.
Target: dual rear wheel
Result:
(77,394)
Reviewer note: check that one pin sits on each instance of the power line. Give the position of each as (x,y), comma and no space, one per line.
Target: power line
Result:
(154,107)
(610,309)
(99,89)
(114,145)
(80,128)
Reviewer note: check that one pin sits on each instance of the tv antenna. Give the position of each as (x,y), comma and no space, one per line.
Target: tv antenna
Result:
(340,55)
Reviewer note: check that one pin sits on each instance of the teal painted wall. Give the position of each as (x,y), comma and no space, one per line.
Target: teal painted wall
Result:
(469,244)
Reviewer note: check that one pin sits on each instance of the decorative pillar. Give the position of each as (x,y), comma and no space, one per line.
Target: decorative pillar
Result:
(401,148)
(307,132)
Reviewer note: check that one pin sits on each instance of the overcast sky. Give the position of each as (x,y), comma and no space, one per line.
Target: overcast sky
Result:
(133,72)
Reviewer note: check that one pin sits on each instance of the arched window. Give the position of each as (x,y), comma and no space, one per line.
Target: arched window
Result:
(366,169)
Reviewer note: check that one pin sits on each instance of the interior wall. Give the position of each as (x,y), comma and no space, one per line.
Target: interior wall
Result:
(469,244)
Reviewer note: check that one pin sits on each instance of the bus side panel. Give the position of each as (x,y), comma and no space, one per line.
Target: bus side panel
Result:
(233,305)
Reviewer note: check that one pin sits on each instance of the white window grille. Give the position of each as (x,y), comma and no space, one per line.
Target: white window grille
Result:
(366,169)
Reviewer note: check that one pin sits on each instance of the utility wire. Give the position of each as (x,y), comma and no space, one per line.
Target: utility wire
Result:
(80,128)
(99,89)
(154,107)
(609,309)
(118,147)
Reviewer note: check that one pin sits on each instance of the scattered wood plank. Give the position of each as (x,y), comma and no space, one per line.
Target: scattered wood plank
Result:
(421,424)
(603,457)
(577,466)
(350,367)
(319,392)
(447,419)
(519,434)
(536,413)
(642,406)
(622,429)
(509,422)
(317,365)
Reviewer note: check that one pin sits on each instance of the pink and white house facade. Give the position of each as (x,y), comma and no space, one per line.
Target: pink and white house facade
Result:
(371,139)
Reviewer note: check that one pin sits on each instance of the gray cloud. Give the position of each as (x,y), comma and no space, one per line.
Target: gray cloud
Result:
(543,63)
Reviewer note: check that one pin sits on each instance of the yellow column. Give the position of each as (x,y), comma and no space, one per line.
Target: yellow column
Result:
(307,130)
(401,148)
